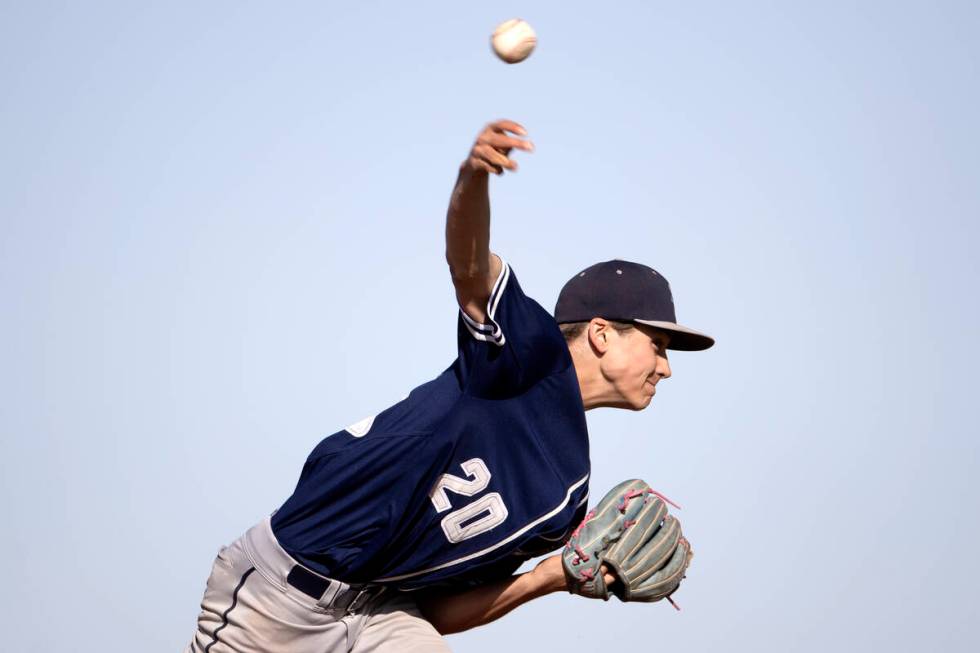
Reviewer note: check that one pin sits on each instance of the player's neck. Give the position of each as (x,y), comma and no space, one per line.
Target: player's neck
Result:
(596,391)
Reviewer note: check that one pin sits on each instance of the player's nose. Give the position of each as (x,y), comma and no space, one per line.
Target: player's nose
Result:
(663,368)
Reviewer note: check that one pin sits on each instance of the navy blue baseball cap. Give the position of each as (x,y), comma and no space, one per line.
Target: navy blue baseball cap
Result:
(626,292)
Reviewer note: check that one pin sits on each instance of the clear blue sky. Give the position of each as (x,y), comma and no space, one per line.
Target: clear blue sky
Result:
(221,239)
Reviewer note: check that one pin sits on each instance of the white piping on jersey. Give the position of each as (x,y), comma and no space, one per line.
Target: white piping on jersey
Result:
(474,325)
(498,287)
(511,538)
(490,332)
(584,500)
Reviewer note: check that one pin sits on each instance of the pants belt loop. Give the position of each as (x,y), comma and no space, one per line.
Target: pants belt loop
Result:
(335,589)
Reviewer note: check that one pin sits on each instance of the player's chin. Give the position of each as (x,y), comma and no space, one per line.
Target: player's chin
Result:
(641,401)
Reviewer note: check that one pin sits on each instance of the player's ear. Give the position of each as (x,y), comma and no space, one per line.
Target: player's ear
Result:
(598,335)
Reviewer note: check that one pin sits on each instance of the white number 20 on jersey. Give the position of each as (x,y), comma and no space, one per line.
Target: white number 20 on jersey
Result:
(476,517)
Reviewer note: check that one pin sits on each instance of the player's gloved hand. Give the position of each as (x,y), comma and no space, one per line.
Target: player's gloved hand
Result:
(490,152)
(630,533)
(651,557)
(551,577)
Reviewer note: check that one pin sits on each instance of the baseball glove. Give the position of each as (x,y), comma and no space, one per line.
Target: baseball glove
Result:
(631,533)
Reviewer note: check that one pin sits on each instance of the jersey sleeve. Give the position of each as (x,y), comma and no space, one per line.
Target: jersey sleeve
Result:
(519,344)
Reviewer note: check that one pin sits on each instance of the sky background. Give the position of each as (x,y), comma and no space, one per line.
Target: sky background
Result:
(221,239)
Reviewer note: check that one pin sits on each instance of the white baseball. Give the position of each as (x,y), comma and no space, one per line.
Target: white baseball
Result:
(513,40)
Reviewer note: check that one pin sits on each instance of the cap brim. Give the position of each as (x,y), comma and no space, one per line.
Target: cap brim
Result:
(681,338)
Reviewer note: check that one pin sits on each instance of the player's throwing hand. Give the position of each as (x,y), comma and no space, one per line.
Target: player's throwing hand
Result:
(493,145)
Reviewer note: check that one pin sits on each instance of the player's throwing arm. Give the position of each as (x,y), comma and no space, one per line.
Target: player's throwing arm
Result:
(471,265)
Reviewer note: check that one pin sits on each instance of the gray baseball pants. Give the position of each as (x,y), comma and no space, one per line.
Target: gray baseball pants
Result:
(249,607)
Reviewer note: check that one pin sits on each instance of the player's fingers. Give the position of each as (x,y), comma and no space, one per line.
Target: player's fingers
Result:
(478,163)
(494,157)
(504,142)
(608,576)
(506,125)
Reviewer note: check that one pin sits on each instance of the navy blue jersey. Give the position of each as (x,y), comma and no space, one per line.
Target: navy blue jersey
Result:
(473,473)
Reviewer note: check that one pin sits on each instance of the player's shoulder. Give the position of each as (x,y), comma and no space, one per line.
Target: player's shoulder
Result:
(415,415)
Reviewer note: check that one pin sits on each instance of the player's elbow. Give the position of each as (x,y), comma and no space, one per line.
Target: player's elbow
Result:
(472,286)
(467,271)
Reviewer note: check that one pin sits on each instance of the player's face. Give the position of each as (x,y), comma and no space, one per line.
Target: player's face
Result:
(634,363)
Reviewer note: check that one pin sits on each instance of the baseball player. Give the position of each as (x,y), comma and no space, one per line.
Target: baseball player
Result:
(411,524)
